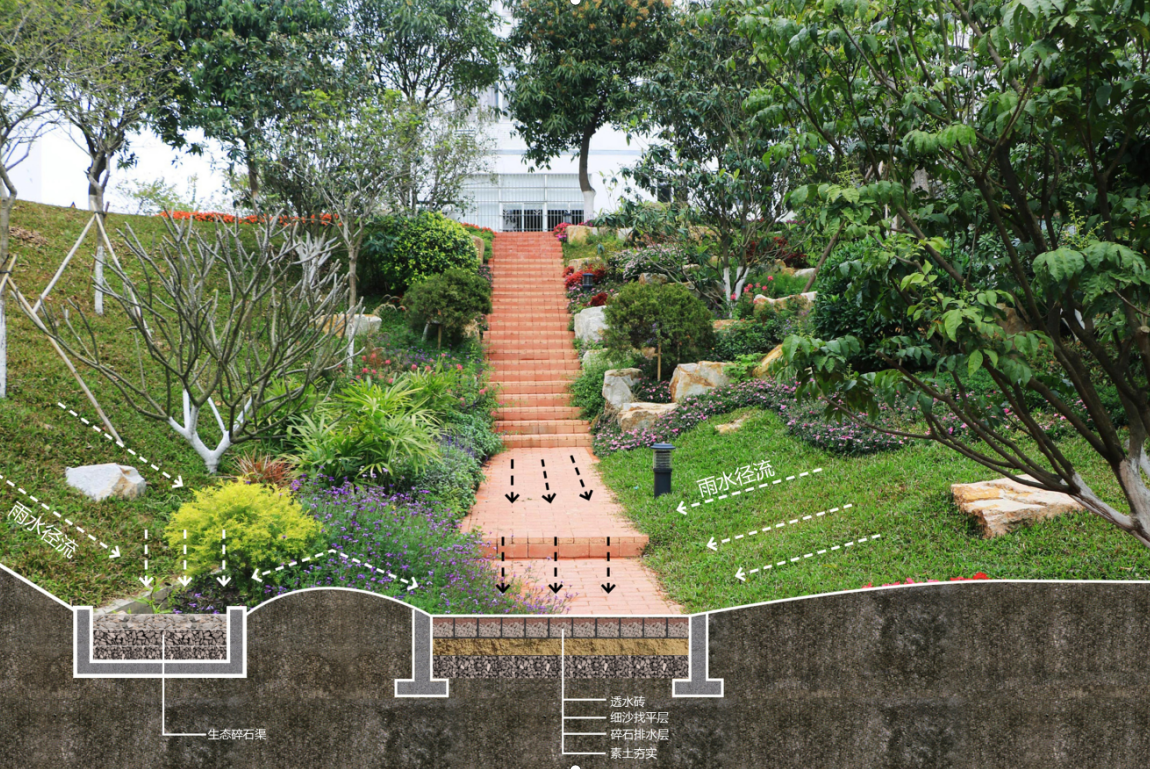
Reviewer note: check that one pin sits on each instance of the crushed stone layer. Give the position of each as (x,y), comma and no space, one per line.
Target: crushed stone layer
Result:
(582,647)
(530,666)
(138,636)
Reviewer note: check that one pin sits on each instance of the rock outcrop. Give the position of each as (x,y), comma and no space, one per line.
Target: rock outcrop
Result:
(99,482)
(638,415)
(1003,505)
(697,378)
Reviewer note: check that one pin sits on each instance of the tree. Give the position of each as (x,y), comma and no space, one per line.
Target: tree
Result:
(577,68)
(31,37)
(431,51)
(249,63)
(721,166)
(106,104)
(1030,123)
(227,328)
(441,148)
(345,156)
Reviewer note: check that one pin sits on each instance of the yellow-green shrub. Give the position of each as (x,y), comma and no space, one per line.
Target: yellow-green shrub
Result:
(265,527)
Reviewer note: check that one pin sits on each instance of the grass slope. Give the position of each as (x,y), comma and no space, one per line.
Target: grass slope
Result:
(38,440)
(904,496)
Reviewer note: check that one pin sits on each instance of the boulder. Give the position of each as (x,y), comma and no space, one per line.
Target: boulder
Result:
(1004,504)
(578,233)
(581,264)
(102,481)
(725,323)
(360,324)
(805,273)
(472,330)
(637,415)
(804,301)
(480,246)
(653,277)
(762,371)
(697,378)
(760,299)
(617,387)
(731,427)
(591,324)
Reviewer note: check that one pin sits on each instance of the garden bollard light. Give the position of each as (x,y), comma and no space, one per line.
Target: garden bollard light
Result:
(588,280)
(662,468)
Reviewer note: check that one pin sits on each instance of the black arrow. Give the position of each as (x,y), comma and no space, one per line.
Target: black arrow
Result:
(512,497)
(555,588)
(503,588)
(549,497)
(587,494)
(607,588)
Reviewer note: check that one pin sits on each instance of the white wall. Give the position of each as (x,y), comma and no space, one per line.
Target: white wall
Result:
(55,169)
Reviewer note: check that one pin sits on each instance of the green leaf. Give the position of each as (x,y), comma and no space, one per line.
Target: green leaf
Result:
(1061,264)
(951,322)
(974,362)
(1102,96)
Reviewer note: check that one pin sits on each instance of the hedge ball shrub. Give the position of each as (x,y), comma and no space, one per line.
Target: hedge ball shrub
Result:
(650,315)
(402,250)
(265,527)
(454,299)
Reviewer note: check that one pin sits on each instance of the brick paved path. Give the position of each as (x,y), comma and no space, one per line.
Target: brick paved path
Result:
(548,449)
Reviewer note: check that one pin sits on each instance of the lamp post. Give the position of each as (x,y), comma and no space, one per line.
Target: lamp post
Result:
(588,281)
(662,468)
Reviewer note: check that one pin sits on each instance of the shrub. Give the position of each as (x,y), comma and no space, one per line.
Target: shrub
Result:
(452,479)
(666,316)
(747,338)
(839,313)
(587,388)
(401,251)
(575,279)
(455,299)
(807,421)
(473,433)
(264,526)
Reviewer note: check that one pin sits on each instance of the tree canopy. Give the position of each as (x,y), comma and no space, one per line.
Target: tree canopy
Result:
(250,62)
(1004,146)
(431,51)
(577,68)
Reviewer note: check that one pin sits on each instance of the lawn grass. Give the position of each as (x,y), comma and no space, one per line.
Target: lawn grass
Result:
(38,440)
(903,496)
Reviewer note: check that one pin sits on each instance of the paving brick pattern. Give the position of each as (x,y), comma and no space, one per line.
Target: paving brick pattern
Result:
(548,450)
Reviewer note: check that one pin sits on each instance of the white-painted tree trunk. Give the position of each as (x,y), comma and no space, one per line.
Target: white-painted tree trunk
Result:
(189,431)
(98,300)
(588,205)
(735,290)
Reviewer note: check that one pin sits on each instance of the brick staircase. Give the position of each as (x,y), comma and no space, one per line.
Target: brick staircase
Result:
(545,514)
(529,346)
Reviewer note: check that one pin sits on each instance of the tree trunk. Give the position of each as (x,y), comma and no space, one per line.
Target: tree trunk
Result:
(253,178)
(96,184)
(584,179)
(823,258)
(352,259)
